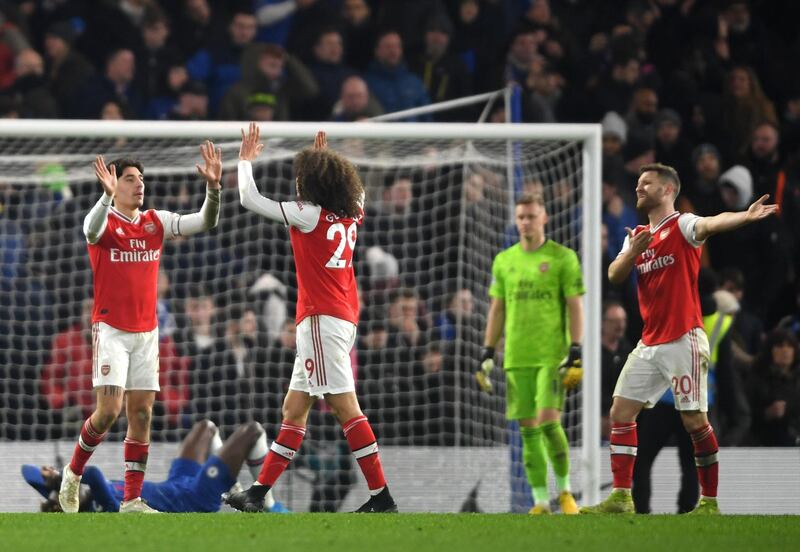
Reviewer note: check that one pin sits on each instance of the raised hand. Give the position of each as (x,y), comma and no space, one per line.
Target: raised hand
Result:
(251,146)
(320,140)
(758,210)
(108,179)
(212,171)
(640,241)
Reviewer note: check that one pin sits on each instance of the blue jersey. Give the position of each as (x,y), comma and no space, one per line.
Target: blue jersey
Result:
(190,487)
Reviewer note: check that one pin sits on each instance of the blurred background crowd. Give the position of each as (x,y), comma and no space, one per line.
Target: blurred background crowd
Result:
(709,87)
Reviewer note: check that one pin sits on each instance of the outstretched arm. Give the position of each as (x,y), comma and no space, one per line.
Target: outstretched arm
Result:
(95,222)
(287,213)
(724,222)
(208,216)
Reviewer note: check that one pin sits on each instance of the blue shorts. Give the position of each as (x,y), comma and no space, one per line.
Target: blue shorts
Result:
(191,487)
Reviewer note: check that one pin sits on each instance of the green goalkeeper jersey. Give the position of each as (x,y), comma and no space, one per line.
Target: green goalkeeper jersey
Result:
(534,286)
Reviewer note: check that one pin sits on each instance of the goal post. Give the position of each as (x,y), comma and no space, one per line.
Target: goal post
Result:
(439,243)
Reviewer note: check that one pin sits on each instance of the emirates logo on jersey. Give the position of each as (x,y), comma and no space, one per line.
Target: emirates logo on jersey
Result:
(544,267)
(150,228)
(664,233)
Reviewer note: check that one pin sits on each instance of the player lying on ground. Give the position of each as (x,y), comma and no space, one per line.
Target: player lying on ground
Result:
(323,226)
(125,252)
(673,352)
(204,469)
(536,292)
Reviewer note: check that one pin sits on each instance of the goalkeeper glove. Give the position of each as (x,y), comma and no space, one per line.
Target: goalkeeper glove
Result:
(571,369)
(486,367)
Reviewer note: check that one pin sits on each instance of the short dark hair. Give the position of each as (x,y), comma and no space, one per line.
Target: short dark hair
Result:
(329,180)
(732,276)
(665,172)
(530,199)
(124,162)
(610,304)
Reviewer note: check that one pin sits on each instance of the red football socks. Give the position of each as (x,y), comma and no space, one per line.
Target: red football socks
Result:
(624,442)
(362,442)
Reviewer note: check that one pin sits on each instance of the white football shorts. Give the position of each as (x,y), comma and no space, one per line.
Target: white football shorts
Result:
(681,365)
(124,359)
(322,364)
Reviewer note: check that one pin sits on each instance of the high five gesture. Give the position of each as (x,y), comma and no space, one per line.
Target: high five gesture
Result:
(212,170)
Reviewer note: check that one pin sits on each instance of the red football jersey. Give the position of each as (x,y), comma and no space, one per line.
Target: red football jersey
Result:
(667,274)
(326,282)
(125,263)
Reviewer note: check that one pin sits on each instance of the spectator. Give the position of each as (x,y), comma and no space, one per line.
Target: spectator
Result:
(111,111)
(355,102)
(67,70)
(268,69)
(671,146)
(307,20)
(613,354)
(329,70)
(197,337)
(407,329)
(66,381)
(458,320)
(192,104)
(476,48)
(30,88)
(764,159)
(443,74)
(744,106)
(219,66)
(276,17)
(115,84)
(522,51)
(614,91)
(760,251)
(639,149)
(703,191)
(617,215)
(615,134)
(261,107)
(176,79)
(234,368)
(747,334)
(166,319)
(194,26)
(359,34)
(393,84)
(775,391)
(111,26)
(155,55)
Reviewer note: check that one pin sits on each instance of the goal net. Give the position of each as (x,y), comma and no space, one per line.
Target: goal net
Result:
(438,209)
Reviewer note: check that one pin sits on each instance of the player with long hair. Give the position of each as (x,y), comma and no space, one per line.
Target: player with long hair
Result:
(323,228)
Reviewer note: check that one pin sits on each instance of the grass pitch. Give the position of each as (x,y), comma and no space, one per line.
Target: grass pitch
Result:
(407,532)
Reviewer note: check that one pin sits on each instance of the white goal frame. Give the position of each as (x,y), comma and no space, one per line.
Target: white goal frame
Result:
(589,135)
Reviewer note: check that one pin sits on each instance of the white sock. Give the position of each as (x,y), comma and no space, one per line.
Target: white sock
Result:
(254,461)
(255,458)
(216,440)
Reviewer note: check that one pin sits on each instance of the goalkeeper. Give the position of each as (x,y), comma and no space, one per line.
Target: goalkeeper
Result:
(536,298)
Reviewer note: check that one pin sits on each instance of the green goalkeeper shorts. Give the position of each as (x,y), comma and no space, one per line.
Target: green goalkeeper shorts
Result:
(529,389)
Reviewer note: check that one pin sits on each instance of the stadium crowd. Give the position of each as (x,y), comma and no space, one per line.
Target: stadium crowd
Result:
(709,87)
